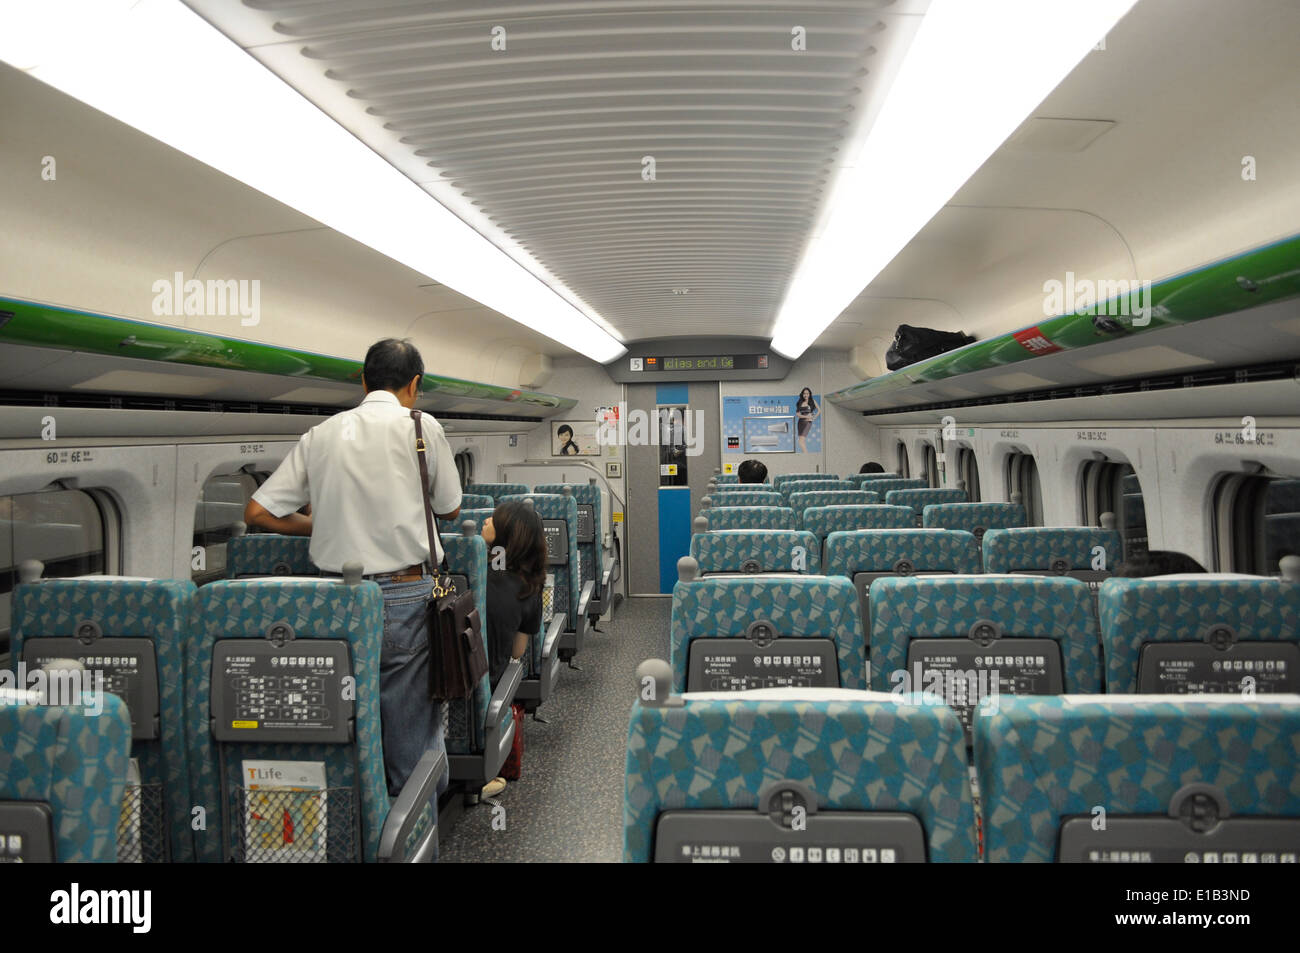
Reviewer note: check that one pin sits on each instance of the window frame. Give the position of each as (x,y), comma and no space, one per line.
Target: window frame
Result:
(1240,545)
(1018,466)
(968,472)
(904,464)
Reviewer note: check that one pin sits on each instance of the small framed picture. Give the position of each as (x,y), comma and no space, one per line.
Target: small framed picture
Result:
(574,438)
(613,471)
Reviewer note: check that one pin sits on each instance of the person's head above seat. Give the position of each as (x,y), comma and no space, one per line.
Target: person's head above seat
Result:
(394,366)
(751,471)
(1157,562)
(871,467)
(517,543)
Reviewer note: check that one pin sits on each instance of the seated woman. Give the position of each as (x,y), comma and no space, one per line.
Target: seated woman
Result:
(516,573)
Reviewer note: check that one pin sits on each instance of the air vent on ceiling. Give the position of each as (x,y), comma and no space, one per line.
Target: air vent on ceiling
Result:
(1040,135)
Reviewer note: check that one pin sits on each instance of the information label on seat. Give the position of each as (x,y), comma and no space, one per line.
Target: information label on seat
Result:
(586,523)
(557,541)
(297,692)
(965,672)
(1167,840)
(129,666)
(26,833)
(737,664)
(833,837)
(1189,668)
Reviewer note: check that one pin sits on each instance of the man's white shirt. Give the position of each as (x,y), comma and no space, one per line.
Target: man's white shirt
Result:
(359,472)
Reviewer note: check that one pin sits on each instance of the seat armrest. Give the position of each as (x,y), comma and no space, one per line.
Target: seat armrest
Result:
(504,694)
(584,600)
(420,789)
(553,635)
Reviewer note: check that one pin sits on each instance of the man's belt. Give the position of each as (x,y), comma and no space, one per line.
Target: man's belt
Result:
(412,573)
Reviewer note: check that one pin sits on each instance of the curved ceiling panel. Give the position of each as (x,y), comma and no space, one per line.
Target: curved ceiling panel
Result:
(665,162)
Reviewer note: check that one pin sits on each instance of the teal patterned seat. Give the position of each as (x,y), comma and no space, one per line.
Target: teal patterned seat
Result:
(467,556)
(797,606)
(1057,549)
(735,487)
(790,487)
(315,609)
(731,550)
(748,498)
(872,754)
(974,518)
(497,490)
(74,760)
(479,501)
(269,554)
(153,609)
(1043,759)
(725,478)
(904,608)
(920,498)
(480,730)
(805,499)
(881,550)
(780,481)
(477,516)
(750,517)
(821,521)
(1134,612)
(884,487)
(862,479)
(591,563)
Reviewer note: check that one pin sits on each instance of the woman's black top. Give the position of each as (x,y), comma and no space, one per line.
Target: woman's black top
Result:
(507,614)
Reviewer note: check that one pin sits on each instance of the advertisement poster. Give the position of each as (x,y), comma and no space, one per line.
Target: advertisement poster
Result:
(788,423)
(574,438)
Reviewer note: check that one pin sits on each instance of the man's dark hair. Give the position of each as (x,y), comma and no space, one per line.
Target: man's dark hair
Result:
(871,467)
(752,471)
(390,364)
(1157,562)
(563,429)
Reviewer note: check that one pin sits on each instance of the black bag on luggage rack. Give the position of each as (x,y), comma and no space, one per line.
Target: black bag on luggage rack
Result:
(916,344)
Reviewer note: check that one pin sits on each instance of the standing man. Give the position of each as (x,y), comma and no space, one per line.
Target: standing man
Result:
(360,473)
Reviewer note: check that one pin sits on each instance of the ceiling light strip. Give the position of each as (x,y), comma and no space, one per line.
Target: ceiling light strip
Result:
(162,69)
(972,74)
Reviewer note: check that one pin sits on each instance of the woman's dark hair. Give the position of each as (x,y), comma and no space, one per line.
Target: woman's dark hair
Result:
(871,467)
(1157,562)
(563,429)
(751,471)
(808,390)
(519,532)
(390,364)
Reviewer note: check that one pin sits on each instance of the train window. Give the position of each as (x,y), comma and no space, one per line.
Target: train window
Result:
(968,472)
(64,529)
(904,470)
(930,464)
(1114,488)
(465,467)
(220,507)
(1022,478)
(1257,523)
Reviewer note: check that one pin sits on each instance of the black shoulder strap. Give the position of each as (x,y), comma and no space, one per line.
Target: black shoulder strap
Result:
(420,455)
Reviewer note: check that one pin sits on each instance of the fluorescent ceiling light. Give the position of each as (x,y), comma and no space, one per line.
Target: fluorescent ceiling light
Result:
(974,71)
(158,66)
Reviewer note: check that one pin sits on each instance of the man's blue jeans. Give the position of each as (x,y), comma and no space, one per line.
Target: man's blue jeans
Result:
(412,724)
